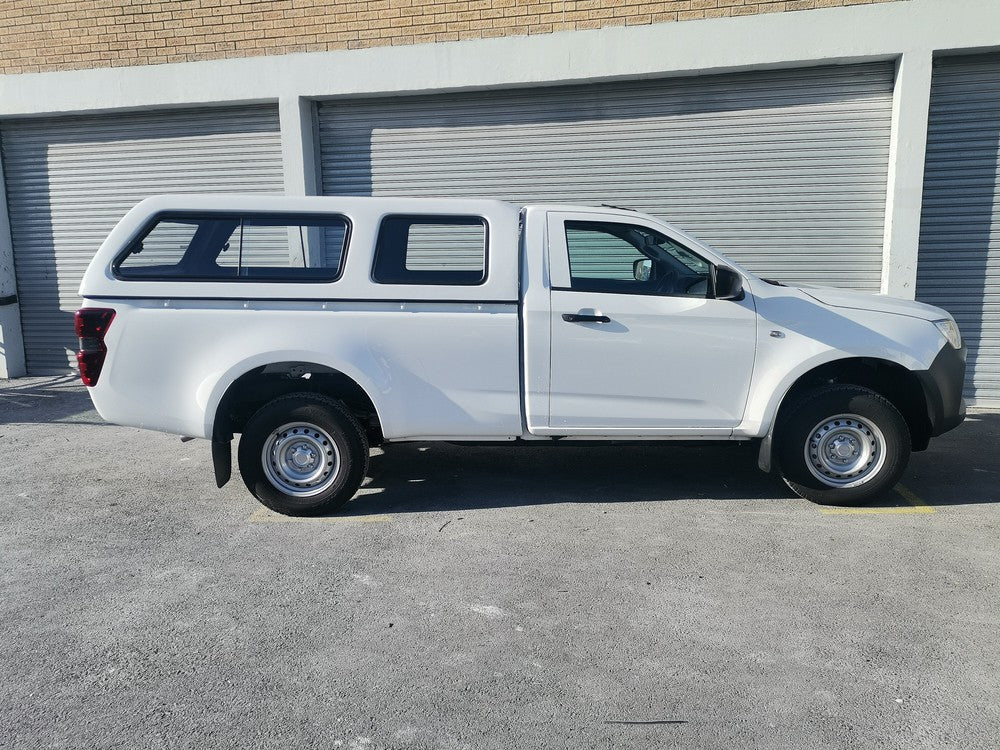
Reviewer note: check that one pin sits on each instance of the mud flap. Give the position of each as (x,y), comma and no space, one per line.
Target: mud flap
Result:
(764,456)
(222,460)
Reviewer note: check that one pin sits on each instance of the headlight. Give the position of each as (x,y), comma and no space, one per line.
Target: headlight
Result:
(950,330)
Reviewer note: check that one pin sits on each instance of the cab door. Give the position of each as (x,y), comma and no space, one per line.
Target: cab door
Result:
(638,343)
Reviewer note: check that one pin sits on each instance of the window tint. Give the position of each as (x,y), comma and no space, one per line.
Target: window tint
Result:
(629,259)
(430,250)
(247,247)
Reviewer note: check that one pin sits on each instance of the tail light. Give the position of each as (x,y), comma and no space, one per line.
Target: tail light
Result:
(91,325)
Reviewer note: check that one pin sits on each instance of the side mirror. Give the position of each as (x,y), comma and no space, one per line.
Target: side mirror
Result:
(726,283)
(642,268)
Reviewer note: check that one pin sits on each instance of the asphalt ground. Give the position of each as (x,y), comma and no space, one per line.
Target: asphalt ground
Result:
(507,597)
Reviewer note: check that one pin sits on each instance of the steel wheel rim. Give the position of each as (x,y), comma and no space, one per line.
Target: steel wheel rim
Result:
(300,459)
(845,451)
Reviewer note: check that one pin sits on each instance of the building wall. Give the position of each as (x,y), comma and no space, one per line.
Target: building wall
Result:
(42,35)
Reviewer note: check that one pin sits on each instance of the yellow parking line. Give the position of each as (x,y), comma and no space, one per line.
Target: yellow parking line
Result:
(917,505)
(263,515)
(913,499)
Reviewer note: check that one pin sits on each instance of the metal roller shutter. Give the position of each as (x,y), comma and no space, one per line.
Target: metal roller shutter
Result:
(70,179)
(785,170)
(959,262)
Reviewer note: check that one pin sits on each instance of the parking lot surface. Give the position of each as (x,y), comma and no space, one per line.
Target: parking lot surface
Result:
(509,597)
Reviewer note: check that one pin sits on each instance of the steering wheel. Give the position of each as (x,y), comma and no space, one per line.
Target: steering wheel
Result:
(698,288)
(666,284)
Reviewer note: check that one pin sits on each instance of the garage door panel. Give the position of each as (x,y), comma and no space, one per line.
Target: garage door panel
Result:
(959,261)
(70,179)
(785,170)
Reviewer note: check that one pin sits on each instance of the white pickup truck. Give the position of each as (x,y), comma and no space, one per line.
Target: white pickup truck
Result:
(318,327)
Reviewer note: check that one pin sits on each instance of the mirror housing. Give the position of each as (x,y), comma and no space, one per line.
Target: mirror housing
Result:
(642,269)
(726,283)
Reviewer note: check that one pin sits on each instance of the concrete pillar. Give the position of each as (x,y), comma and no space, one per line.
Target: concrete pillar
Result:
(907,151)
(299,149)
(300,162)
(11,342)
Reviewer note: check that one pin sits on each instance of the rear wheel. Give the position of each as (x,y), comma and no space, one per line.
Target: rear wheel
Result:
(303,455)
(842,445)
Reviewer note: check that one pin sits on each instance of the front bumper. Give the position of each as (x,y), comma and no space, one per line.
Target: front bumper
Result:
(942,384)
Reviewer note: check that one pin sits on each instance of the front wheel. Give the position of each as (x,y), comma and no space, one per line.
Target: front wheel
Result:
(303,455)
(842,445)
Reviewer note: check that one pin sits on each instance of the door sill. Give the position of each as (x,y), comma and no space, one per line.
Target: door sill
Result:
(673,433)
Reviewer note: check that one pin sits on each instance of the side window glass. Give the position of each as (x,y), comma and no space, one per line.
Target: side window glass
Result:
(164,245)
(235,248)
(431,250)
(255,246)
(261,243)
(630,259)
(596,254)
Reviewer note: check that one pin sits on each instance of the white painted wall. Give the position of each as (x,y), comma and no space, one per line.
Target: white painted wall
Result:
(910,32)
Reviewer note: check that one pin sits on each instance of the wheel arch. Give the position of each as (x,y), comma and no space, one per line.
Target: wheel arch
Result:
(256,385)
(891,380)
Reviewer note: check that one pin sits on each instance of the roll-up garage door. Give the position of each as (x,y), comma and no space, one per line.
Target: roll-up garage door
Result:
(959,263)
(784,170)
(70,179)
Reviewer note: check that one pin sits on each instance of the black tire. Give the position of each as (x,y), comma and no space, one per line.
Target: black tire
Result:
(825,419)
(332,430)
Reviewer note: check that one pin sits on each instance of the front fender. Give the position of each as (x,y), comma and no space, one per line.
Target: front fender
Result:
(798,334)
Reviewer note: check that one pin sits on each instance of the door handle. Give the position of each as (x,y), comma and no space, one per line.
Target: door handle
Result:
(578,318)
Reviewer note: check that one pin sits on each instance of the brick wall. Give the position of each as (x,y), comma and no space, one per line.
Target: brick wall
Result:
(37,35)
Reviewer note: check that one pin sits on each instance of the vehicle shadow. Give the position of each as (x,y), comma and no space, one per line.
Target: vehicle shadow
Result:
(420,477)
(959,468)
(56,399)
